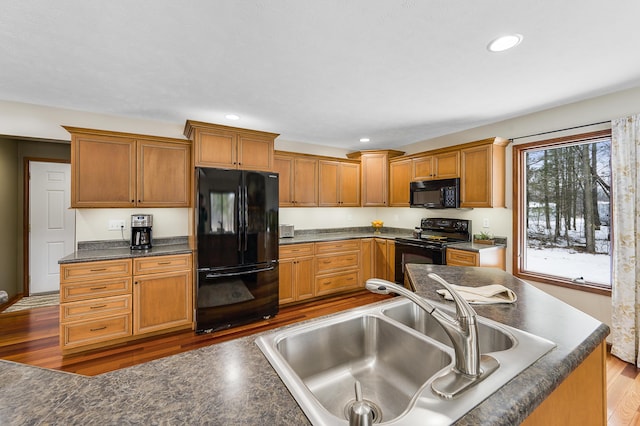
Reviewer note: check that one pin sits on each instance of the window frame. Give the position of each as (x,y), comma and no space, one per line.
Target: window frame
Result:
(519,239)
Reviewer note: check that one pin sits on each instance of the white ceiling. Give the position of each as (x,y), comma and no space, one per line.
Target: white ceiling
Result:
(326,72)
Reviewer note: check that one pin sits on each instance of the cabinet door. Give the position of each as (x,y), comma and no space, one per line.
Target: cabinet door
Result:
(162,301)
(286,291)
(103,171)
(447,165)
(215,149)
(164,174)
(328,194)
(399,178)
(375,180)
(305,186)
(423,168)
(381,267)
(255,153)
(476,182)
(391,260)
(366,254)
(284,167)
(349,182)
(304,278)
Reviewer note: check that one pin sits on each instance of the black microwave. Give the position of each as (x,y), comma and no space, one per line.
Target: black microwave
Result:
(435,194)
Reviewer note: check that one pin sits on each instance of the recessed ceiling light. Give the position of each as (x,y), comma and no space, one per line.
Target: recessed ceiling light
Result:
(504,43)
(232,117)
(365,139)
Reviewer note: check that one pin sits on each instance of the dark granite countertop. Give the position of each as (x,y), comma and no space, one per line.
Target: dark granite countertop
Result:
(233,383)
(474,246)
(336,234)
(91,251)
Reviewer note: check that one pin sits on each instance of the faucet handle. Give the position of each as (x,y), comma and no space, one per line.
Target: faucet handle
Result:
(463,308)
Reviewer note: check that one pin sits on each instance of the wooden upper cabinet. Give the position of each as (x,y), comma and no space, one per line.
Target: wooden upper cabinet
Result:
(305,182)
(283,165)
(103,171)
(298,180)
(339,184)
(444,165)
(482,181)
(113,169)
(400,173)
(230,147)
(157,161)
(375,176)
(447,165)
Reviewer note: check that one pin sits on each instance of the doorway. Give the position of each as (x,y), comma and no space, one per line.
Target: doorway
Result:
(50,225)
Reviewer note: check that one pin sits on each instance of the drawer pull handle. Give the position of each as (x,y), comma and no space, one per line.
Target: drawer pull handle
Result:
(350,279)
(98,329)
(327,261)
(327,282)
(98,269)
(99,288)
(98,307)
(164,263)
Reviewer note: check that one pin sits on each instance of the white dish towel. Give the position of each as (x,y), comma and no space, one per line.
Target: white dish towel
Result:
(494,293)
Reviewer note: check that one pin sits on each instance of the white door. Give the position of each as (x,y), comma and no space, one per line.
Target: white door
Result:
(52,223)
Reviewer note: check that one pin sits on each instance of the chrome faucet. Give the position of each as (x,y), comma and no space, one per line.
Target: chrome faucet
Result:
(470,366)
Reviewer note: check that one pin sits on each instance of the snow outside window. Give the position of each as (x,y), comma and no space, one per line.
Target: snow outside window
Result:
(564,210)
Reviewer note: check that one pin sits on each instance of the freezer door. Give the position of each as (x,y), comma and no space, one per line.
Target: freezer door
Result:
(233,296)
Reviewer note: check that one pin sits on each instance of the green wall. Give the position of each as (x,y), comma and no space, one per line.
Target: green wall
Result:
(9,217)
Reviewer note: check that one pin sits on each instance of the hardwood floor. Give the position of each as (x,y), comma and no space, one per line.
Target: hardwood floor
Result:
(31,337)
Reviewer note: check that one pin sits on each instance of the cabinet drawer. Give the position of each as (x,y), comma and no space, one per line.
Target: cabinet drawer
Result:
(96,308)
(336,282)
(95,270)
(150,265)
(327,263)
(94,331)
(71,292)
(337,246)
(295,250)
(462,258)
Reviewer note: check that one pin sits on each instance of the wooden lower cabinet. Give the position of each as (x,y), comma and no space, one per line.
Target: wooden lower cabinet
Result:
(337,266)
(162,301)
(493,257)
(581,399)
(296,273)
(107,302)
(384,259)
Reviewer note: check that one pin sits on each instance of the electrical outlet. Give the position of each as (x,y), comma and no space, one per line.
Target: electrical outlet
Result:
(485,222)
(116,225)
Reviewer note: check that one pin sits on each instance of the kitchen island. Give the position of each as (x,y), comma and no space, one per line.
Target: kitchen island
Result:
(233,383)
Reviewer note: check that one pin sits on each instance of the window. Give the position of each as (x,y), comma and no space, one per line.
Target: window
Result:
(562,214)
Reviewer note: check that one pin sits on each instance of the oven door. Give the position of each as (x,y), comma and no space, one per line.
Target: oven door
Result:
(416,253)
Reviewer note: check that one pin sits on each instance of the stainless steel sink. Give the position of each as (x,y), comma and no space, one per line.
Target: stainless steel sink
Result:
(491,338)
(391,364)
(395,354)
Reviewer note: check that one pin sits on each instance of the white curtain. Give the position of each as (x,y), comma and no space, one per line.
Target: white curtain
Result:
(625,296)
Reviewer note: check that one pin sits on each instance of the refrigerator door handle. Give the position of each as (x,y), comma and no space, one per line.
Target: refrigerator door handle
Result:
(246,217)
(235,274)
(240,214)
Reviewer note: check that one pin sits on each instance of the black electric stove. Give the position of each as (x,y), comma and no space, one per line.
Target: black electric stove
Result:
(430,242)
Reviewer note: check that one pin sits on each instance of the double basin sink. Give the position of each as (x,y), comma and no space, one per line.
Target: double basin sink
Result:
(395,350)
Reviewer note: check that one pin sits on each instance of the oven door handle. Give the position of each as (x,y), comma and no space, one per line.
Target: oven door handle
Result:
(235,274)
(417,245)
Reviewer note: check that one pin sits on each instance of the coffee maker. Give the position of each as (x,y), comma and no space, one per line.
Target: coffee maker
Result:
(141,231)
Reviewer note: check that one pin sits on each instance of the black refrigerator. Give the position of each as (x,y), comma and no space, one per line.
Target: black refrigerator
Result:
(237,257)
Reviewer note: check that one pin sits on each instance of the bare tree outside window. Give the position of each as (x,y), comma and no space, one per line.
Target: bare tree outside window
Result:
(563,192)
